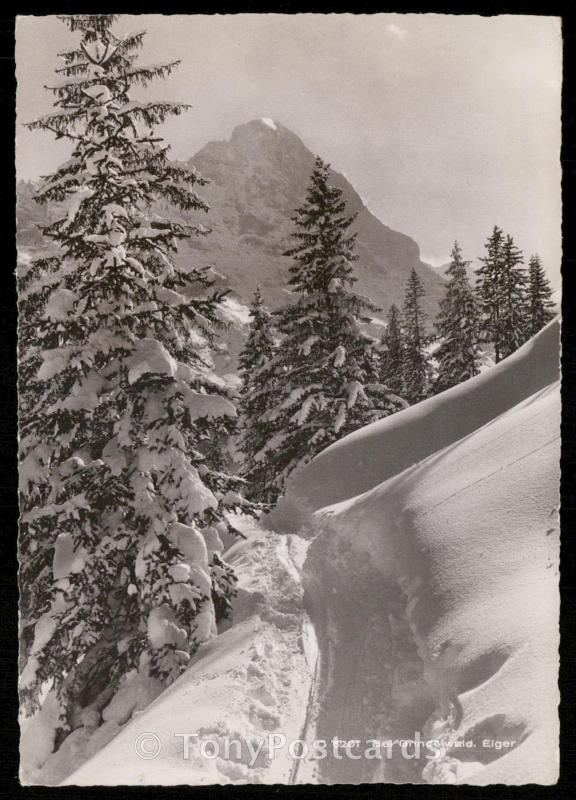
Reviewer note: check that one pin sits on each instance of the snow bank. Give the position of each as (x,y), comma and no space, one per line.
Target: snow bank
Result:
(435,592)
(470,537)
(365,458)
(248,684)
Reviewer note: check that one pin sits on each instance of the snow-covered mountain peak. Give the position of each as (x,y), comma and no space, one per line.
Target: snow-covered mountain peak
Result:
(258,177)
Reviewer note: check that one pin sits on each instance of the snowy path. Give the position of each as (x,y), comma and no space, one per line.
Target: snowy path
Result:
(250,683)
(366,660)
(310,644)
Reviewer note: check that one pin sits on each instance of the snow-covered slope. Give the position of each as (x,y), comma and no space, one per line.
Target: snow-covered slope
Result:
(365,458)
(434,593)
(440,588)
(247,684)
(431,586)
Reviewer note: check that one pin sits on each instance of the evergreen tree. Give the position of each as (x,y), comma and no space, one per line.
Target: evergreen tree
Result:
(501,291)
(539,305)
(416,362)
(457,326)
(512,324)
(327,369)
(121,507)
(256,398)
(488,290)
(393,354)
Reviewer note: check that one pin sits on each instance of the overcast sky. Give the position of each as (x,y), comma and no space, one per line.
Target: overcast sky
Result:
(446,125)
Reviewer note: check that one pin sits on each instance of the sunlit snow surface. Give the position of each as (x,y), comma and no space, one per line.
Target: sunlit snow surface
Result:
(459,548)
(421,600)
(250,682)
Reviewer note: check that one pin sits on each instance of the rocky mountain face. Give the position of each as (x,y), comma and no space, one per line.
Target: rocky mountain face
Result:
(258,178)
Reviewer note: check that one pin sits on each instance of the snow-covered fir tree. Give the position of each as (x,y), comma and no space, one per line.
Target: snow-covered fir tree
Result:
(501,291)
(417,369)
(393,351)
(488,290)
(327,368)
(122,507)
(457,326)
(538,300)
(512,318)
(259,385)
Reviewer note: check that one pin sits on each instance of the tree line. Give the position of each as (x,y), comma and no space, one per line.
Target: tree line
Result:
(310,371)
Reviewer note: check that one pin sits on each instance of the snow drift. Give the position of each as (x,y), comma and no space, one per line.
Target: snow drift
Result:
(367,457)
(435,593)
